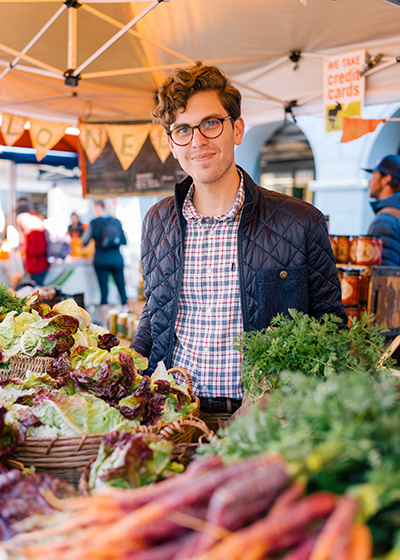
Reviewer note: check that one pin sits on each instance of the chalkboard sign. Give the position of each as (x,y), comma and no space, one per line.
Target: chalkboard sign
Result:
(146,176)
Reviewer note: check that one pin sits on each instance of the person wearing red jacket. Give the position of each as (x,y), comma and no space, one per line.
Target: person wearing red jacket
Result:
(35,242)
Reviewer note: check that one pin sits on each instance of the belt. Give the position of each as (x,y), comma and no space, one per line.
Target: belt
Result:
(219,404)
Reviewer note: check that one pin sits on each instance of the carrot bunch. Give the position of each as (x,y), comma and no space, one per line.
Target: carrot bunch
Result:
(248,510)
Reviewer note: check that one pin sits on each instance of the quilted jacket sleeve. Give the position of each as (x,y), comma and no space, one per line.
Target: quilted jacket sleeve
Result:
(323,281)
(142,341)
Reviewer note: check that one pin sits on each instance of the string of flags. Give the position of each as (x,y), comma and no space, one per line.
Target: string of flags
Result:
(126,139)
(354,127)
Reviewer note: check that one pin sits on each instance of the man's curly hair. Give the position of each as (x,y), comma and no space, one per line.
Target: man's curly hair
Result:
(182,84)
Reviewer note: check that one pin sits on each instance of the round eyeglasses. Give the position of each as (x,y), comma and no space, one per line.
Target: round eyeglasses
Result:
(210,128)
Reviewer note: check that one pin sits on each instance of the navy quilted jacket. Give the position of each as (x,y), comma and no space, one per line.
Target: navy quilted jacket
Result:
(388,229)
(284,255)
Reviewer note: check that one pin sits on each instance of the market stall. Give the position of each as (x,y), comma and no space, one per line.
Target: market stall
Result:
(323,484)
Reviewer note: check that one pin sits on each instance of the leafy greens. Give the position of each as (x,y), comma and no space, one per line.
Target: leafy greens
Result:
(299,342)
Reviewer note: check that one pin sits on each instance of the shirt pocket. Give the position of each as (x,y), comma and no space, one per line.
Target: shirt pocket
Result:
(281,289)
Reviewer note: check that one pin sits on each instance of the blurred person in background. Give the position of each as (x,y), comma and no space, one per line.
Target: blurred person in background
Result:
(108,236)
(34,241)
(384,187)
(75,229)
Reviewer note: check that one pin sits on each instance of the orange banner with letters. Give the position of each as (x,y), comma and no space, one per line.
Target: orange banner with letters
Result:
(93,138)
(158,138)
(12,128)
(354,128)
(45,135)
(127,141)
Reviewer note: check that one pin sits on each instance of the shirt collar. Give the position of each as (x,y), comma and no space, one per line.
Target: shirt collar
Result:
(192,215)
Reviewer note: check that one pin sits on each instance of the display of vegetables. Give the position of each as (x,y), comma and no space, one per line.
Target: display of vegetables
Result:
(247,510)
(39,330)
(130,460)
(11,302)
(22,494)
(339,434)
(54,413)
(299,342)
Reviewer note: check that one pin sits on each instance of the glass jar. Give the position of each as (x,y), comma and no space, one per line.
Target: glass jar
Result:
(365,250)
(378,251)
(351,312)
(343,249)
(353,250)
(363,286)
(362,308)
(333,240)
(350,287)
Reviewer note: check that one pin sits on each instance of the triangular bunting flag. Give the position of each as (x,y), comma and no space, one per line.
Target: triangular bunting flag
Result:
(158,138)
(93,138)
(45,135)
(355,128)
(127,141)
(12,128)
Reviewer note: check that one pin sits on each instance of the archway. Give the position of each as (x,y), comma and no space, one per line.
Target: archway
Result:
(286,163)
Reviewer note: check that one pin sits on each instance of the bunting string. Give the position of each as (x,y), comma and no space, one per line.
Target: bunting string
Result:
(126,139)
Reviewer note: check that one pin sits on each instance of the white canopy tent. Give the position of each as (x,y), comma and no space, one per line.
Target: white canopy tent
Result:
(104,60)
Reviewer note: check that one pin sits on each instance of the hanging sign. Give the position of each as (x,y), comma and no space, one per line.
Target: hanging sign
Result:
(12,127)
(93,138)
(45,135)
(343,88)
(127,141)
(158,138)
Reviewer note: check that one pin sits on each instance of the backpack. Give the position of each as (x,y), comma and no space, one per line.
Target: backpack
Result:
(111,235)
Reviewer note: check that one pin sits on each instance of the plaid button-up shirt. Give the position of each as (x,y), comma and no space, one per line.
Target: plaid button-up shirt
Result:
(209,309)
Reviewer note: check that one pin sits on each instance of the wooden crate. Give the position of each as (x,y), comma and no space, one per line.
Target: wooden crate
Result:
(384,297)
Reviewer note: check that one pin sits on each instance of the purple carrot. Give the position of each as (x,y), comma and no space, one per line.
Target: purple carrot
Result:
(191,491)
(302,551)
(241,500)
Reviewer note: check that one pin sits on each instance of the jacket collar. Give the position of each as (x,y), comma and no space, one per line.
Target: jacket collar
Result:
(251,193)
(392,201)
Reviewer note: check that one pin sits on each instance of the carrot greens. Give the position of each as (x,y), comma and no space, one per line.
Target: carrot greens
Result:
(315,347)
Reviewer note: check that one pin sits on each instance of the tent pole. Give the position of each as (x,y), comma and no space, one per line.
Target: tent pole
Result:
(12,195)
(30,59)
(113,21)
(72,37)
(115,38)
(33,41)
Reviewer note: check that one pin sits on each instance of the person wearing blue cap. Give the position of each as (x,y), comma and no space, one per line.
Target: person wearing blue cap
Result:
(384,186)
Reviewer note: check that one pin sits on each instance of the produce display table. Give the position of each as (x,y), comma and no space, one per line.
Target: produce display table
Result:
(77,274)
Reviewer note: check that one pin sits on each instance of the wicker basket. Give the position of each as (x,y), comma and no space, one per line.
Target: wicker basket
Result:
(182,450)
(64,457)
(61,457)
(19,364)
(6,374)
(183,432)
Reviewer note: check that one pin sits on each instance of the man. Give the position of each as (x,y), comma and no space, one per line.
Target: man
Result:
(225,256)
(384,186)
(108,235)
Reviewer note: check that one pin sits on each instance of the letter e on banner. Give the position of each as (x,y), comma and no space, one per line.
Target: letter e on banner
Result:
(127,141)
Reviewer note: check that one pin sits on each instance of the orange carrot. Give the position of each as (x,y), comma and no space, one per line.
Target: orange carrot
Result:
(336,531)
(259,537)
(359,546)
(295,491)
